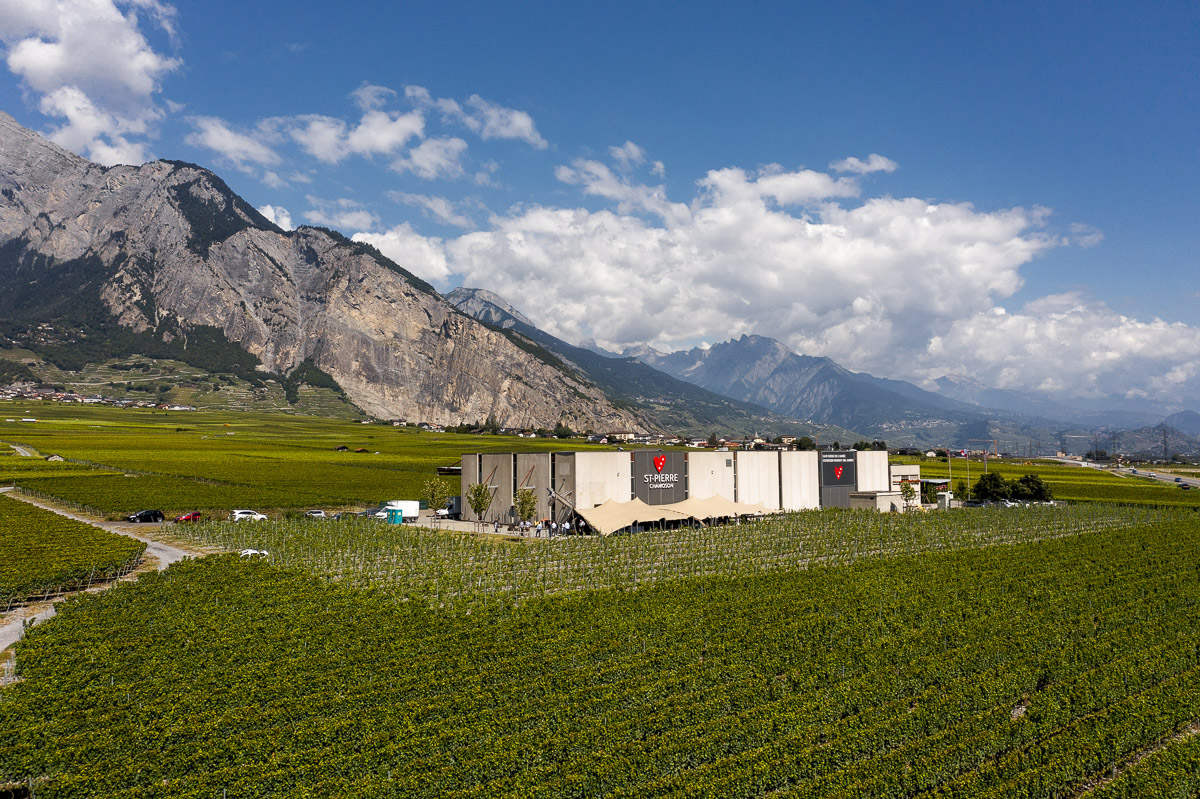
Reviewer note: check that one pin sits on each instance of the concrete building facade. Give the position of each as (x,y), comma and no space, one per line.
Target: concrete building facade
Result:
(565,481)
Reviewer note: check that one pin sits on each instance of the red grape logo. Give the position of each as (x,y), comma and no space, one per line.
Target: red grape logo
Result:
(659,462)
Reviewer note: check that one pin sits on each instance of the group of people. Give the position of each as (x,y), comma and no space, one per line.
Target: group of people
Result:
(551,529)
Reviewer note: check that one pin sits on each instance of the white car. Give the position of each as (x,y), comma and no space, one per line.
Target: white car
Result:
(315,514)
(246,515)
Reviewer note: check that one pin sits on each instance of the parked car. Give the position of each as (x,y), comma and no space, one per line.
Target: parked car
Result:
(194,516)
(1178,479)
(146,516)
(246,515)
(315,514)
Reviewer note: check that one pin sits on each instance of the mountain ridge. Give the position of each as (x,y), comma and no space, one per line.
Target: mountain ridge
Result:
(678,403)
(166,249)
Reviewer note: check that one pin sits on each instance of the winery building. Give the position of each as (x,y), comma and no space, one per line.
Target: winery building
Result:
(648,486)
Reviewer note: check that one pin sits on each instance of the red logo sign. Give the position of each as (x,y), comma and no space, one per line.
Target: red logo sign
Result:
(837,472)
(659,462)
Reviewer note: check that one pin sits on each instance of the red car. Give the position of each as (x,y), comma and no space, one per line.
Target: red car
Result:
(194,516)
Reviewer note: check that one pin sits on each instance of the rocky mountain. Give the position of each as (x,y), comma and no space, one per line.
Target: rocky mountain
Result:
(678,405)
(1148,443)
(1186,422)
(763,371)
(165,255)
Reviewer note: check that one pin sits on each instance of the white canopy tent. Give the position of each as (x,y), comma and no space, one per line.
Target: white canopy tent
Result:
(612,516)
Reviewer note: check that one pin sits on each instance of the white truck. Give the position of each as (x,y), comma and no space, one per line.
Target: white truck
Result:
(453,509)
(400,511)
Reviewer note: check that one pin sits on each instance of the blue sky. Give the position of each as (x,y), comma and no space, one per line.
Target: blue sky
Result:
(1004,191)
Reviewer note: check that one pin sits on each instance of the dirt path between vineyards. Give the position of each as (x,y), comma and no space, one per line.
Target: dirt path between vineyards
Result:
(158,556)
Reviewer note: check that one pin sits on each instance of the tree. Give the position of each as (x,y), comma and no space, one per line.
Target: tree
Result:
(479,497)
(525,504)
(909,494)
(1032,487)
(436,492)
(992,487)
(491,425)
(713,440)
(805,443)
(562,431)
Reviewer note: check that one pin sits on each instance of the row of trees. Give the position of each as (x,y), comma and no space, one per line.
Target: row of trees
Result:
(1030,488)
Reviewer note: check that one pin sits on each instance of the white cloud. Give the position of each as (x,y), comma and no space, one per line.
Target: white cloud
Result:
(421,255)
(874,163)
(383,134)
(342,214)
(597,179)
(434,158)
(274,179)
(498,122)
(239,148)
(322,137)
(484,176)
(489,120)
(92,67)
(278,215)
(786,188)
(331,140)
(439,208)
(628,155)
(869,284)
(1069,346)
(1085,235)
(370,98)
(899,287)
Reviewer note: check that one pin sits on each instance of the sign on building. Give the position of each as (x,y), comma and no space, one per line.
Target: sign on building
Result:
(659,478)
(839,476)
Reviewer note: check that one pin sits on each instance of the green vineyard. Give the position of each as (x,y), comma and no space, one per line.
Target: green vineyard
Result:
(1060,654)
(448,569)
(45,554)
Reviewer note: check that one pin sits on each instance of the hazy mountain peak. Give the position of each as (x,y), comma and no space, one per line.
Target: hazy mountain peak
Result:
(486,306)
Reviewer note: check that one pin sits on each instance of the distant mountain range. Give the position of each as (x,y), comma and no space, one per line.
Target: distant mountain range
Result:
(164,260)
(674,403)
(764,371)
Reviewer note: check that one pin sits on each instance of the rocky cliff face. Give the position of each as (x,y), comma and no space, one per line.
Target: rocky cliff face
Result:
(170,241)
